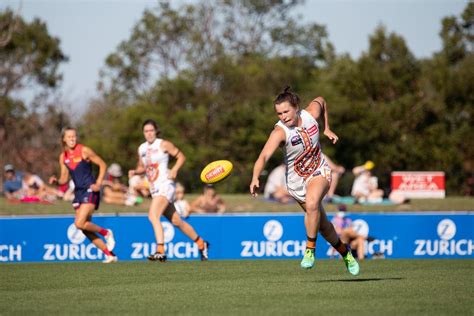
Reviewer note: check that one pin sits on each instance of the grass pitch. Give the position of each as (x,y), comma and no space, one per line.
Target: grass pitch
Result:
(394,287)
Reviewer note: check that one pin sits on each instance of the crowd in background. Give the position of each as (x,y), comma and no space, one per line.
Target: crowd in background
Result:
(26,187)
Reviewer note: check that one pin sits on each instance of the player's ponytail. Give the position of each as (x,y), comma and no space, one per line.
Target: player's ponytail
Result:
(288,96)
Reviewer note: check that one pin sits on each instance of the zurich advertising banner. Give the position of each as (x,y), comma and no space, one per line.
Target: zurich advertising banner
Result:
(269,236)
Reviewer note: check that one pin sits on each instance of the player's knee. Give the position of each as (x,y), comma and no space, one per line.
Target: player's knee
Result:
(79,225)
(152,218)
(176,221)
(312,207)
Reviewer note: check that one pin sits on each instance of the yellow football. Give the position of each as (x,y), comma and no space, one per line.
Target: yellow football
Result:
(216,171)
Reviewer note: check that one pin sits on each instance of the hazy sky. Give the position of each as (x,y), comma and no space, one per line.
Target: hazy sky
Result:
(90,30)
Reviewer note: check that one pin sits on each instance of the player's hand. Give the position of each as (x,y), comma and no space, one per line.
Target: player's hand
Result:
(131,173)
(53,180)
(254,186)
(331,135)
(172,174)
(95,187)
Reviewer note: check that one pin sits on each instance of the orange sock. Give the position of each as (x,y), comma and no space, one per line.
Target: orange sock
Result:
(200,242)
(310,243)
(160,248)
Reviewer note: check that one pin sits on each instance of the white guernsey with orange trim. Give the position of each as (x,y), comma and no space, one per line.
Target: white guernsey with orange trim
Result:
(303,156)
(155,161)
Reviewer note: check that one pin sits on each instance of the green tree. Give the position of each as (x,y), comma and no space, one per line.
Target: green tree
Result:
(29,57)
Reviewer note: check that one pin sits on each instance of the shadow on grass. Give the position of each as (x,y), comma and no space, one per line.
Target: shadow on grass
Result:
(360,280)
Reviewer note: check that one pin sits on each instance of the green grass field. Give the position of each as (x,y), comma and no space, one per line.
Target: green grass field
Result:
(396,287)
(242,203)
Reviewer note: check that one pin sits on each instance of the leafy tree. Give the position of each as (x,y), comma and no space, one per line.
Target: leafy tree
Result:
(29,57)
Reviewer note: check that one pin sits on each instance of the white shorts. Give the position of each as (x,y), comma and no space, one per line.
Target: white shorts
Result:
(299,191)
(166,189)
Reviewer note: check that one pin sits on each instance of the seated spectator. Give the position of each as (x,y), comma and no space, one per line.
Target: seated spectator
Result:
(138,189)
(343,227)
(12,184)
(337,172)
(68,191)
(182,206)
(114,192)
(365,186)
(208,202)
(275,188)
(36,190)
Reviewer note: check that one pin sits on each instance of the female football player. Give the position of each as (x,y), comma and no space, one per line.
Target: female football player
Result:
(153,157)
(76,160)
(307,171)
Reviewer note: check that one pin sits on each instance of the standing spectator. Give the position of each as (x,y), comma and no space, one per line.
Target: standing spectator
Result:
(275,188)
(365,186)
(208,202)
(12,186)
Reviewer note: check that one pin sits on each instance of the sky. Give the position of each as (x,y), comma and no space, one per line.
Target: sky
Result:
(90,30)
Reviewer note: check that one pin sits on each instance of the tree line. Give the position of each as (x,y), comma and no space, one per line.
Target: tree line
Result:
(207,72)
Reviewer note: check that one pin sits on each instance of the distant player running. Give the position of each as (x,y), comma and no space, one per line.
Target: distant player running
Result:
(76,160)
(307,171)
(153,157)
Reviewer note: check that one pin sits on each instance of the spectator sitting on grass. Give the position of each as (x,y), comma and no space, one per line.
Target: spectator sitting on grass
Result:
(275,188)
(181,205)
(12,184)
(35,190)
(208,202)
(114,191)
(365,186)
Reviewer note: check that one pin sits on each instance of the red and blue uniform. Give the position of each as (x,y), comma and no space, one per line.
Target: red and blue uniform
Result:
(81,174)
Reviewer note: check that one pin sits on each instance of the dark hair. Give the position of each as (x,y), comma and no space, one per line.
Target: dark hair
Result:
(154,124)
(63,132)
(287,96)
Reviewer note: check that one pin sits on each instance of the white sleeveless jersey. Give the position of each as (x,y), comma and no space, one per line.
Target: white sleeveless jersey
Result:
(155,161)
(303,156)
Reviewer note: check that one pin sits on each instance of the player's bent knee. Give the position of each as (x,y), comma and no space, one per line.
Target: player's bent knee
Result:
(79,225)
(176,221)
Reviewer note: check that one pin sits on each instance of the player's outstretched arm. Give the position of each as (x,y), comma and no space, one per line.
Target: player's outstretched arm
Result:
(276,137)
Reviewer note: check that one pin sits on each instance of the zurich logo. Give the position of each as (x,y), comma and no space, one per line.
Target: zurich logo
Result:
(76,236)
(446,229)
(273,230)
(168,231)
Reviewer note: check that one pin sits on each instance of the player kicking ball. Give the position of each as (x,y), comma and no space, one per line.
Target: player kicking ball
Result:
(308,174)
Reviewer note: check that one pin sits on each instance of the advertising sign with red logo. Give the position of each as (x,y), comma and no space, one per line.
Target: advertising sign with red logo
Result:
(419,184)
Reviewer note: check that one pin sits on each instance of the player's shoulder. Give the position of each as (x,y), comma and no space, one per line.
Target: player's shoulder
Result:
(142,146)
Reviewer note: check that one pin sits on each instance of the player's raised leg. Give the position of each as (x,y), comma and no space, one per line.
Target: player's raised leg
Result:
(84,223)
(329,233)
(188,230)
